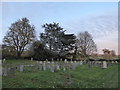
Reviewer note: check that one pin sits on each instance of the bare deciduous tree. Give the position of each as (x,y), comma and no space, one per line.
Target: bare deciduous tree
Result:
(86,45)
(19,35)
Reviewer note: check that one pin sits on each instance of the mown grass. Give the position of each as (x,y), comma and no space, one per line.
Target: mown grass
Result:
(82,77)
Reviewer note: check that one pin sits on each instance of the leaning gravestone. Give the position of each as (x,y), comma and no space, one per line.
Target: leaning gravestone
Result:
(116,62)
(0,61)
(44,66)
(11,72)
(48,64)
(90,64)
(57,66)
(36,67)
(31,59)
(52,69)
(41,65)
(5,70)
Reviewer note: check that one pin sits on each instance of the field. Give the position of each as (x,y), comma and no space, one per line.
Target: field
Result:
(81,77)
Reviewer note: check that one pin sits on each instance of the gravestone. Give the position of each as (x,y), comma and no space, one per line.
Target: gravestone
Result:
(5,70)
(65,60)
(37,62)
(21,68)
(52,67)
(31,59)
(116,62)
(95,63)
(0,61)
(41,65)
(81,62)
(36,67)
(104,64)
(57,66)
(48,64)
(44,66)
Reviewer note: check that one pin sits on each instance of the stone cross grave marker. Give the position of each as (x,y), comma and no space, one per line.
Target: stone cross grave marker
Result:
(31,59)
(44,65)
(5,70)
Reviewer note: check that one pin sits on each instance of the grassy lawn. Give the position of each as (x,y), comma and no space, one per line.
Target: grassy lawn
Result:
(82,77)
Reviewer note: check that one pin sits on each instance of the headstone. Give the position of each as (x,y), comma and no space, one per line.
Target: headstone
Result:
(21,68)
(36,67)
(112,62)
(57,66)
(104,64)
(0,61)
(4,60)
(31,59)
(48,65)
(41,65)
(52,67)
(95,64)
(65,60)
(90,64)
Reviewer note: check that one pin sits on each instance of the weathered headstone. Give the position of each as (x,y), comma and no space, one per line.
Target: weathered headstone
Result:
(36,67)
(90,64)
(81,62)
(21,68)
(37,62)
(95,63)
(116,62)
(48,65)
(104,64)
(41,65)
(4,60)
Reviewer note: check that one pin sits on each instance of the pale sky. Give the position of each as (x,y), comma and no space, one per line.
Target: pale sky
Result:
(98,18)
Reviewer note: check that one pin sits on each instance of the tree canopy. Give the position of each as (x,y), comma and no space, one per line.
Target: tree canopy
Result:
(20,34)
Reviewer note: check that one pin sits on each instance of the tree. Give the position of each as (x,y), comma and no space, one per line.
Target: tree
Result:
(20,34)
(39,51)
(52,36)
(68,42)
(8,52)
(85,44)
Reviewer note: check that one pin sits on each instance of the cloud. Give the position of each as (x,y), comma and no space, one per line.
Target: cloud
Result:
(104,29)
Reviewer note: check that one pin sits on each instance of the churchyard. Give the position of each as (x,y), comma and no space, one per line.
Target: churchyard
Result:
(59,74)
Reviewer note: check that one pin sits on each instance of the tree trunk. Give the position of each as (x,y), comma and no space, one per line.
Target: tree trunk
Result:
(18,55)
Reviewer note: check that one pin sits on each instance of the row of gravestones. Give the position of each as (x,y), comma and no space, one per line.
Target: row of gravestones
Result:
(52,66)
